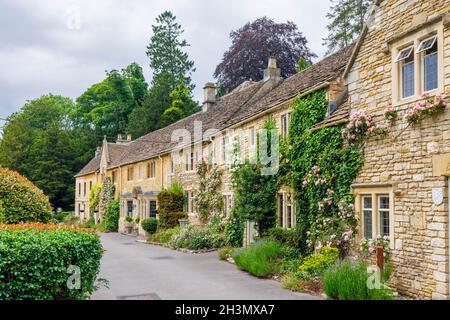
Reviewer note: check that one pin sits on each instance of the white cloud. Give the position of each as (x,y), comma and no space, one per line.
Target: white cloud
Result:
(40,54)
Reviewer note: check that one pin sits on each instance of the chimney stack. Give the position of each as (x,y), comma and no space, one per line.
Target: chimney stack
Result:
(272,72)
(98,152)
(209,94)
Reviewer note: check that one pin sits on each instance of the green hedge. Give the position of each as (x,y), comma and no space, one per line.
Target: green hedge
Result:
(170,220)
(150,225)
(20,200)
(34,263)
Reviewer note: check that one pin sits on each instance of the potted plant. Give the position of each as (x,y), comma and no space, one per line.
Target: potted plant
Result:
(128,224)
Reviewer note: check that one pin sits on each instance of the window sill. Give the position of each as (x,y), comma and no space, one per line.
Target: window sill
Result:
(415,99)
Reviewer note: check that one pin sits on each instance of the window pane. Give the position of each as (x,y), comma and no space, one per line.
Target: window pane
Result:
(384,217)
(408,79)
(280,210)
(367,223)
(289,216)
(152,209)
(384,203)
(367,203)
(430,72)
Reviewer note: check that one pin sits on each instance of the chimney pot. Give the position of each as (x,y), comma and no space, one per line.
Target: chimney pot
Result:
(272,72)
(209,95)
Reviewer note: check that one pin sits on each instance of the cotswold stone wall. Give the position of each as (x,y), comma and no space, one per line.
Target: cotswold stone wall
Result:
(412,158)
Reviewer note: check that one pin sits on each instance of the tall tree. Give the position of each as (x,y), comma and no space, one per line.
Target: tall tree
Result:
(171,67)
(41,142)
(251,47)
(347,19)
(106,106)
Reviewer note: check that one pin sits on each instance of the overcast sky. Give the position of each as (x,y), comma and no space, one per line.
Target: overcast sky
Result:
(45,48)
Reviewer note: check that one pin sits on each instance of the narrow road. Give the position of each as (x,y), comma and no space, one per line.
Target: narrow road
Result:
(140,271)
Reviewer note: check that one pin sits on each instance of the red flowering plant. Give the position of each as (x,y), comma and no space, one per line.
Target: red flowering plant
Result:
(369,246)
(314,177)
(429,106)
(361,127)
(335,225)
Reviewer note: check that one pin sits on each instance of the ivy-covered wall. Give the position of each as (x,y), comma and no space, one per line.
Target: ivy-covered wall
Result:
(324,149)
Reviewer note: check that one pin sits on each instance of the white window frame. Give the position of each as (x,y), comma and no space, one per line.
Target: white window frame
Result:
(380,210)
(285,126)
(291,203)
(372,214)
(423,55)
(251,137)
(419,49)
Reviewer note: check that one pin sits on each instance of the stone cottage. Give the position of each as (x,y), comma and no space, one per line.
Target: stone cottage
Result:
(402,190)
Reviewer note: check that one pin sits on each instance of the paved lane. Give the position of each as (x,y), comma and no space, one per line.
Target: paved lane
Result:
(144,272)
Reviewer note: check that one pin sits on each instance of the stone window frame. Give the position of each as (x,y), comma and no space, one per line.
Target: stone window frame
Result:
(284,128)
(414,39)
(130,173)
(150,170)
(227,199)
(282,216)
(375,191)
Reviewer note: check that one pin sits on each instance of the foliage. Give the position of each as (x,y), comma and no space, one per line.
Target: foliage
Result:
(234,229)
(369,246)
(225,253)
(246,57)
(208,199)
(336,224)
(390,114)
(302,64)
(150,225)
(112,215)
(128,219)
(324,149)
(170,220)
(347,19)
(348,281)
(198,238)
(260,259)
(291,282)
(316,263)
(171,84)
(20,200)
(255,195)
(106,195)
(106,106)
(43,143)
(36,258)
(427,107)
(137,220)
(361,127)
(94,196)
(164,235)
(289,237)
(61,216)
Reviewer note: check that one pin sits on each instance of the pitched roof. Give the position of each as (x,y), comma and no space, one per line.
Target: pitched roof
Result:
(248,101)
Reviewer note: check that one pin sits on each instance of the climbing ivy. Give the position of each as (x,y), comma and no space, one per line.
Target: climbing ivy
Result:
(324,148)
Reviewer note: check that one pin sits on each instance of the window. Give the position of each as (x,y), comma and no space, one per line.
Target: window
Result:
(90,185)
(384,213)
(84,189)
(418,64)
(171,166)
(152,209)
(224,149)
(367,216)
(189,161)
(251,136)
(130,173)
(114,176)
(151,169)
(79,188)
(286,210)
(189,202)
(406,60)
(130,208)
(285,121)
(430,68)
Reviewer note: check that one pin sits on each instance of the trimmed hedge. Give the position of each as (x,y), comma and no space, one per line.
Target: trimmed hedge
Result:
(170,220)
(34,261)
(150,225)
(21,200)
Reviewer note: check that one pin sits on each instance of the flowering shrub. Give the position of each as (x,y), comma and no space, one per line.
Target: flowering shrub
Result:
(369,246)
(35,261)
(21,200)
(361,127)
(335,225)
(390,113)
(198,238)
(427,107)
(314,177)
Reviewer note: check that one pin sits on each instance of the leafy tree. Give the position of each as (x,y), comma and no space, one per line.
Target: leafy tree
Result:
(171,68)
(42,143)
(251,47)
(302,64)
(182,106)
(347,19)
(106,106)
